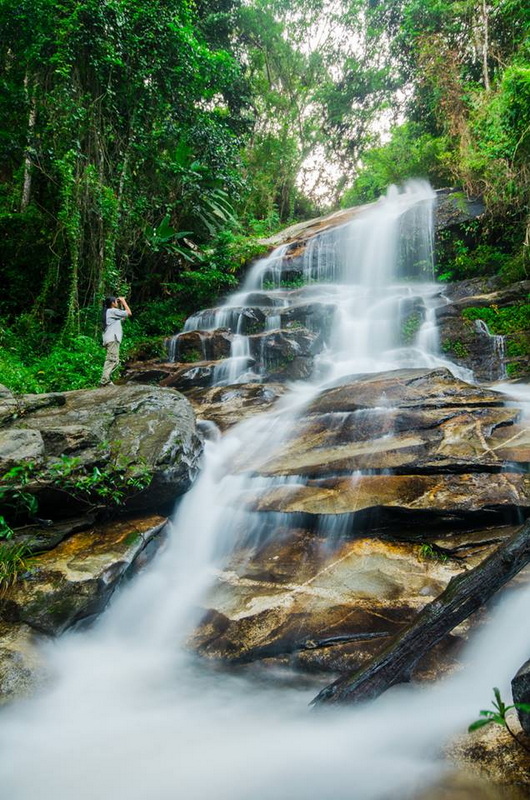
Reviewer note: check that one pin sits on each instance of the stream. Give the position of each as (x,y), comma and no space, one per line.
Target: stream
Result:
(128,712)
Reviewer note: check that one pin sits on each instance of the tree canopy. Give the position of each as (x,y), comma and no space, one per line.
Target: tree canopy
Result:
(142,143)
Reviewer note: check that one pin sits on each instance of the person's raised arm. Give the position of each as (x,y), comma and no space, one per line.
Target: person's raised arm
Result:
(125,306)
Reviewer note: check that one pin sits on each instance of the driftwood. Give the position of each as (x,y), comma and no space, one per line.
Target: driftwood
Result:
(464,594)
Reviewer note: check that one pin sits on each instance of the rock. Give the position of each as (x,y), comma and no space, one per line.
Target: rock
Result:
(188,377)
(404,388)
(38,538)
(521,694)
(284,354)
(316,317)
(18,445)
(324,609)
(121,430)
(228,405)
(452,448)
(453,208)
(415,439)
(21,668)
(469,343)
(435,494)
(75,580)
(492,754)
(194,346)
(243,319)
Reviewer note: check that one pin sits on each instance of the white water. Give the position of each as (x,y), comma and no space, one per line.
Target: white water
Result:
(128,714)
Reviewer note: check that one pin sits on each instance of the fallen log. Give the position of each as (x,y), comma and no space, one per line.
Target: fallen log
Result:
(464,594)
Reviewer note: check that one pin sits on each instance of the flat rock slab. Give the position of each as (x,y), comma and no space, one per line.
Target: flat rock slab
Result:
(404,388)
(75,580)
(456,494)
(414,439)
(298,598)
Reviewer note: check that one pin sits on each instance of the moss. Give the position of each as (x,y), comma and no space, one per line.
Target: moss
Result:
(411,326)
(191,356)
(455,347)
(501,321)
(132,538)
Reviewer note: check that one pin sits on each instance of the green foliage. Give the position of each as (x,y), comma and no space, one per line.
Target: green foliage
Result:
(110,484)
(286,283)
(429,552)
(15,560)
(411,326)
(505,320)
(114,165)
(455,347)
(57,363)
(15,500)
(410,153)
(499,716)
(106,486)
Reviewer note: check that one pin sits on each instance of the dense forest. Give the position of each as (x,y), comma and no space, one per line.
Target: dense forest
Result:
(145,147)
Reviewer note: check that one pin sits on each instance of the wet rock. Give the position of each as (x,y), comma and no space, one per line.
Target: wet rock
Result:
(228,405)
(76,579)
(316,317)
(468,342)
(453,208)
(194,346)
(521,694)
(327,610)
(188,377)
(437,494)
(131,428)
(21,667)
(39,537)
(415,440)
(404,388)
(284,354)
(245,319)
(492,754)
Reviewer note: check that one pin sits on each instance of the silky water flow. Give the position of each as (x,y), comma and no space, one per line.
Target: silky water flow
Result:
(126,712)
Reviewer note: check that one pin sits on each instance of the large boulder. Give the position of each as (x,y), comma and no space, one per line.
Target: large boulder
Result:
(451,448)
(300,601)
(141,440)
(75,580)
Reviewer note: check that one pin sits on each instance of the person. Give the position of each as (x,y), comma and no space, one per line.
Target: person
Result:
(112,334)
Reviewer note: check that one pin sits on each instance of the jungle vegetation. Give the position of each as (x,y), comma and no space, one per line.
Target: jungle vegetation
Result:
(146,145)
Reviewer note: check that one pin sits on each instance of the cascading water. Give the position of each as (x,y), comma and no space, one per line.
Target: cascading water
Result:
(129,714)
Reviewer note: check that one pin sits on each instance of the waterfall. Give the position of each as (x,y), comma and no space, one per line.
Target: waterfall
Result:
(498,367)
(129,712)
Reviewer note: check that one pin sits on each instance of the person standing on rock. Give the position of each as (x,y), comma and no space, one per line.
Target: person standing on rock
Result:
(112,334)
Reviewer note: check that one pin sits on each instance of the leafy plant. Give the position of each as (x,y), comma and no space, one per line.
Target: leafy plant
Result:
(15,560)
(499,716)
(14,496)
(429,552)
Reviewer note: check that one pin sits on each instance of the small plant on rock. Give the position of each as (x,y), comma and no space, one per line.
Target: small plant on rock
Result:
(15,560)
(499,717)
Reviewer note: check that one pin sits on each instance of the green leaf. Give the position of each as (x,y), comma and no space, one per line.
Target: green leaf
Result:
(480,723)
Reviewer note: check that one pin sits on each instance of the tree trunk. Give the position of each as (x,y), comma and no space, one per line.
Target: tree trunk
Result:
(485,45)
(26,185)
(463,595)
